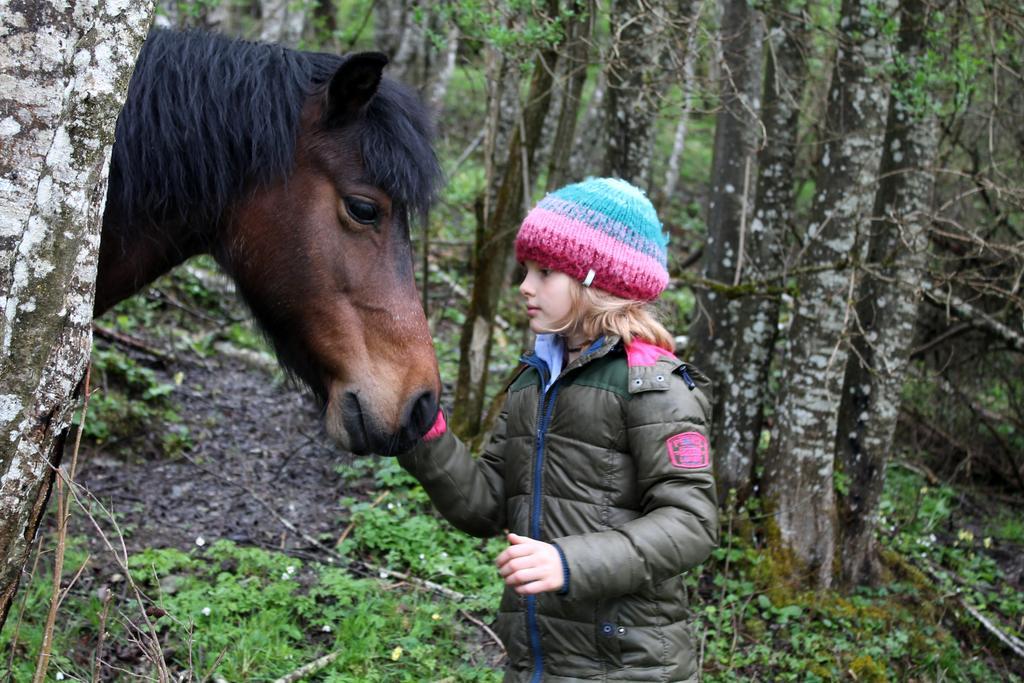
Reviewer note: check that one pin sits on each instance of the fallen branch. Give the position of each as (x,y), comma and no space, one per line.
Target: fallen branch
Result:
(1008,639)
(923,470)
(308,669)
(419,583)
(1011,641)
(129,341)
(485,628)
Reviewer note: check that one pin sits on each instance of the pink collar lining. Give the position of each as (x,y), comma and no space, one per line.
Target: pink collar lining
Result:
(642,353)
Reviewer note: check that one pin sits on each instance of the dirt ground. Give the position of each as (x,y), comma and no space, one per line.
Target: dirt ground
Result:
(260,454)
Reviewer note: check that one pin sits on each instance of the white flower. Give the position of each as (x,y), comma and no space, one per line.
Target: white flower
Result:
(391,506)
(422,556)
(200,541)
(384,573)
(59,676)
(326,628)
(285,576)
(290,569)
(444,554)
(206,611)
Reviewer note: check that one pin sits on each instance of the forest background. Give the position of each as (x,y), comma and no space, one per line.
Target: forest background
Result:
(843,184)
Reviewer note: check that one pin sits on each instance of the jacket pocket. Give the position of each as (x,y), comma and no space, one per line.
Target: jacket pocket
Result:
(608,634)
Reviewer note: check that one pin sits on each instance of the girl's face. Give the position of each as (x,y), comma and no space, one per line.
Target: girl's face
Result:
(547,297)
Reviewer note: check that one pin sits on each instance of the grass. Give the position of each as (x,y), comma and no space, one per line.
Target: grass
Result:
(912,627)
(224,611)
(247,614)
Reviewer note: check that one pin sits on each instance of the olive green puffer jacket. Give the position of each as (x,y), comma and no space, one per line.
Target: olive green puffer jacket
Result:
(611,465)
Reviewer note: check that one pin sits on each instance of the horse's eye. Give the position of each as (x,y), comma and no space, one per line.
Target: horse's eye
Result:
(361,210)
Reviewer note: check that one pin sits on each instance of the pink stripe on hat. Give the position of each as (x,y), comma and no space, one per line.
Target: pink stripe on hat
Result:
(574,247)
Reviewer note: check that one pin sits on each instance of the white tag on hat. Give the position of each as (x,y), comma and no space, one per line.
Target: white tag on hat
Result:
(589,279)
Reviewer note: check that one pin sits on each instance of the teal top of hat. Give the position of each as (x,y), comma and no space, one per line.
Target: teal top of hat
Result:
(619,209)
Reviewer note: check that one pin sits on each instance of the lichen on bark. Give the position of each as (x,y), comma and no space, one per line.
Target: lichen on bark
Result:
(799,467)
(64,72)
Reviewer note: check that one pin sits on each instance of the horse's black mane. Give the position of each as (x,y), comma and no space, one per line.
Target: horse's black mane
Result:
(207,117)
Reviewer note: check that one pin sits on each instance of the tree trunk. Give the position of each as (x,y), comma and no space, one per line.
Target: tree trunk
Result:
(64,78)
(587,151)
(756,317)
(639,39)
(687,69)
(389,25)
(733,173)
(282,21)
(439,84)
(577,50)
(493,247)
(887,306)
(737,136)
(798,486)
(323,30)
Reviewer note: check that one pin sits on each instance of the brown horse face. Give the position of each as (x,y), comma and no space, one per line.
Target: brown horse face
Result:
(325,261)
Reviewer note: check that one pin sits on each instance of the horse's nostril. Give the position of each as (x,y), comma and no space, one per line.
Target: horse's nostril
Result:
(423,413)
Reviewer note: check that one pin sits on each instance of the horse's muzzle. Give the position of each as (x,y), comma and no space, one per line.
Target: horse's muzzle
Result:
(367,436)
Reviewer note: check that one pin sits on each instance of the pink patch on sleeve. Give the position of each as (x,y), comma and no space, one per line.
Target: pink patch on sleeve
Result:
(644,353)
(688,451)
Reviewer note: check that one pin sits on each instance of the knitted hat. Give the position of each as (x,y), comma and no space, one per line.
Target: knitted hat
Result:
(603,232)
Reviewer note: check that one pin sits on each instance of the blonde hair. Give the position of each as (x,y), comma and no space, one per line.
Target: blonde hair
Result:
(594,312)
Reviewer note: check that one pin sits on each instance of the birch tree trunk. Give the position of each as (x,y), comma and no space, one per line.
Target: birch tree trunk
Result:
(799,467)
(686,66)
(439,83)
(282,21)
(738,134)
(741,407)
(887,304)
(639,38)
(64,71)
(587,151)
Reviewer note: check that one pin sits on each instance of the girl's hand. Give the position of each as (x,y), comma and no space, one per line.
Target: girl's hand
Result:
(530,566)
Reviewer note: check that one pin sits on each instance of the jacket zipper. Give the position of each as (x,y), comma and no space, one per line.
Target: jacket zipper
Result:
(544,408)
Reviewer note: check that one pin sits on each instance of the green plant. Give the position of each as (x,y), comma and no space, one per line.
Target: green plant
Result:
(125,397)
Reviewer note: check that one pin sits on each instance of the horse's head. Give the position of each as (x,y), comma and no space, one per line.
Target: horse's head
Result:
(325,261)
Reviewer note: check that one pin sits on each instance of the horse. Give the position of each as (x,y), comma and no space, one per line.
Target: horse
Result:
(300,173)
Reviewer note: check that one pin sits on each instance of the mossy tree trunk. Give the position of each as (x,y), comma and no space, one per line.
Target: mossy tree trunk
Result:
(887,302)
(65,71)
(494,242)
(799,466)
(755,317)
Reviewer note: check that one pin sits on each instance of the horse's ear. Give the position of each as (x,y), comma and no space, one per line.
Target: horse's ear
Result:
(353,85)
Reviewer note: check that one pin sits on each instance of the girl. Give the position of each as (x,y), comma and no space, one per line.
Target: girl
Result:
(599,465)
